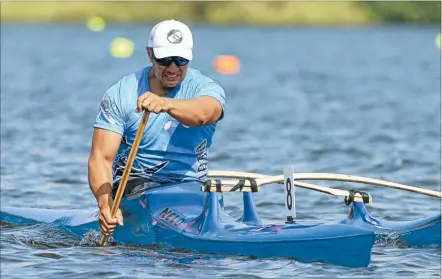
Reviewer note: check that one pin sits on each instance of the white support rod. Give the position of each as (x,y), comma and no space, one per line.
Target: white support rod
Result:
(228,184)
(326,176)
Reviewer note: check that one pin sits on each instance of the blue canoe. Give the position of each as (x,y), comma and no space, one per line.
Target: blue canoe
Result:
(182,216)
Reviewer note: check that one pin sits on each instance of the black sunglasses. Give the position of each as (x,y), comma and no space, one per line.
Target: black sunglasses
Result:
(166,61)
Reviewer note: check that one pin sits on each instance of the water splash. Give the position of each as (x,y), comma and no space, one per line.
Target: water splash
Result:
(390,239)
(93,238)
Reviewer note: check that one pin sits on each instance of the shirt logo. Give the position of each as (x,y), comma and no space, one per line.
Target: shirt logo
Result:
(201,148)
(167,125)
(147,173)
(175,36)
(201,160)
(108,108)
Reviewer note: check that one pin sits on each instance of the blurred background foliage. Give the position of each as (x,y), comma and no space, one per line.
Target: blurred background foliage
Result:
(247,13)
(416,12)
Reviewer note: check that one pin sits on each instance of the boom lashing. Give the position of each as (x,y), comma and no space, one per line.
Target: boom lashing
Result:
(239,187)
(208,186)
(350,198)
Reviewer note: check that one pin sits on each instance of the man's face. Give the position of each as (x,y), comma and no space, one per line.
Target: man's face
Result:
(168,70)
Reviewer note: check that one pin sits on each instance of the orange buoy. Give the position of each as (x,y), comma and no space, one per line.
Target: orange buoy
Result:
(226,64)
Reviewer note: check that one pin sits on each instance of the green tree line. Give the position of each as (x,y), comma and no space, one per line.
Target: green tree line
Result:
(416,12)
(229,12)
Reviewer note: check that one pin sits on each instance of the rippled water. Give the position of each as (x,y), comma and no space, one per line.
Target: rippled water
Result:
(362,101)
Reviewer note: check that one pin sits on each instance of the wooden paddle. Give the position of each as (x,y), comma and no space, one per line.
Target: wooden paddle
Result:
(126,172)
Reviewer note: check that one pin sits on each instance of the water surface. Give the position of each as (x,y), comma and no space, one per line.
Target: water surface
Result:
(363,101)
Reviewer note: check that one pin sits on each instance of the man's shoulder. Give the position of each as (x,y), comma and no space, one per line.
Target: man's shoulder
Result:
(197,79)
(129,85)
(134,77)
(195,76)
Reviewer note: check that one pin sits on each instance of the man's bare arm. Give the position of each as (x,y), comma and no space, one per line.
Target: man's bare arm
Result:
(200,111)
(105,145)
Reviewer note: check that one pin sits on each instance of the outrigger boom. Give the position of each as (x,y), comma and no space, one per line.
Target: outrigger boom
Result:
(279,179)
(252,183)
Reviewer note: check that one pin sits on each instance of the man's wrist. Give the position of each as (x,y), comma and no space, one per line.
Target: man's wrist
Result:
(103,200)
(168,104)
(104,195)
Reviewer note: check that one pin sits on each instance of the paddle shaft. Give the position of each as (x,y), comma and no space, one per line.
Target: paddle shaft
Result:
(126,172)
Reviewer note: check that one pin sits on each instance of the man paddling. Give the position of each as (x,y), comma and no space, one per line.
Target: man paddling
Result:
(184,107)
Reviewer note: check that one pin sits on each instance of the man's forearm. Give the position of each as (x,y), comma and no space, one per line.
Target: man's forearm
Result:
(100,180)
(195,112)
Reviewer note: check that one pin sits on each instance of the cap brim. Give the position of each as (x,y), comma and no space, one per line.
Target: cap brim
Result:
(161,52)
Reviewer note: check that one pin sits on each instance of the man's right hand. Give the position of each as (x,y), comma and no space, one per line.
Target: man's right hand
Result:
(107,223)
(152,103)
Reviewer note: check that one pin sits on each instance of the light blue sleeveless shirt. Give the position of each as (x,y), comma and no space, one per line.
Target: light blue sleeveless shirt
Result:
(169,151)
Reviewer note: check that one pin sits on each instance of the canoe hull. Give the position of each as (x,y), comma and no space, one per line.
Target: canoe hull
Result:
(181,216)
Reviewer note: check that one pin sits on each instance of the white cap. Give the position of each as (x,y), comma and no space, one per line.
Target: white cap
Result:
(171,38)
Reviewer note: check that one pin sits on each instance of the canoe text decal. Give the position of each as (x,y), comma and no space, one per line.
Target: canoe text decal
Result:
(173,217)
